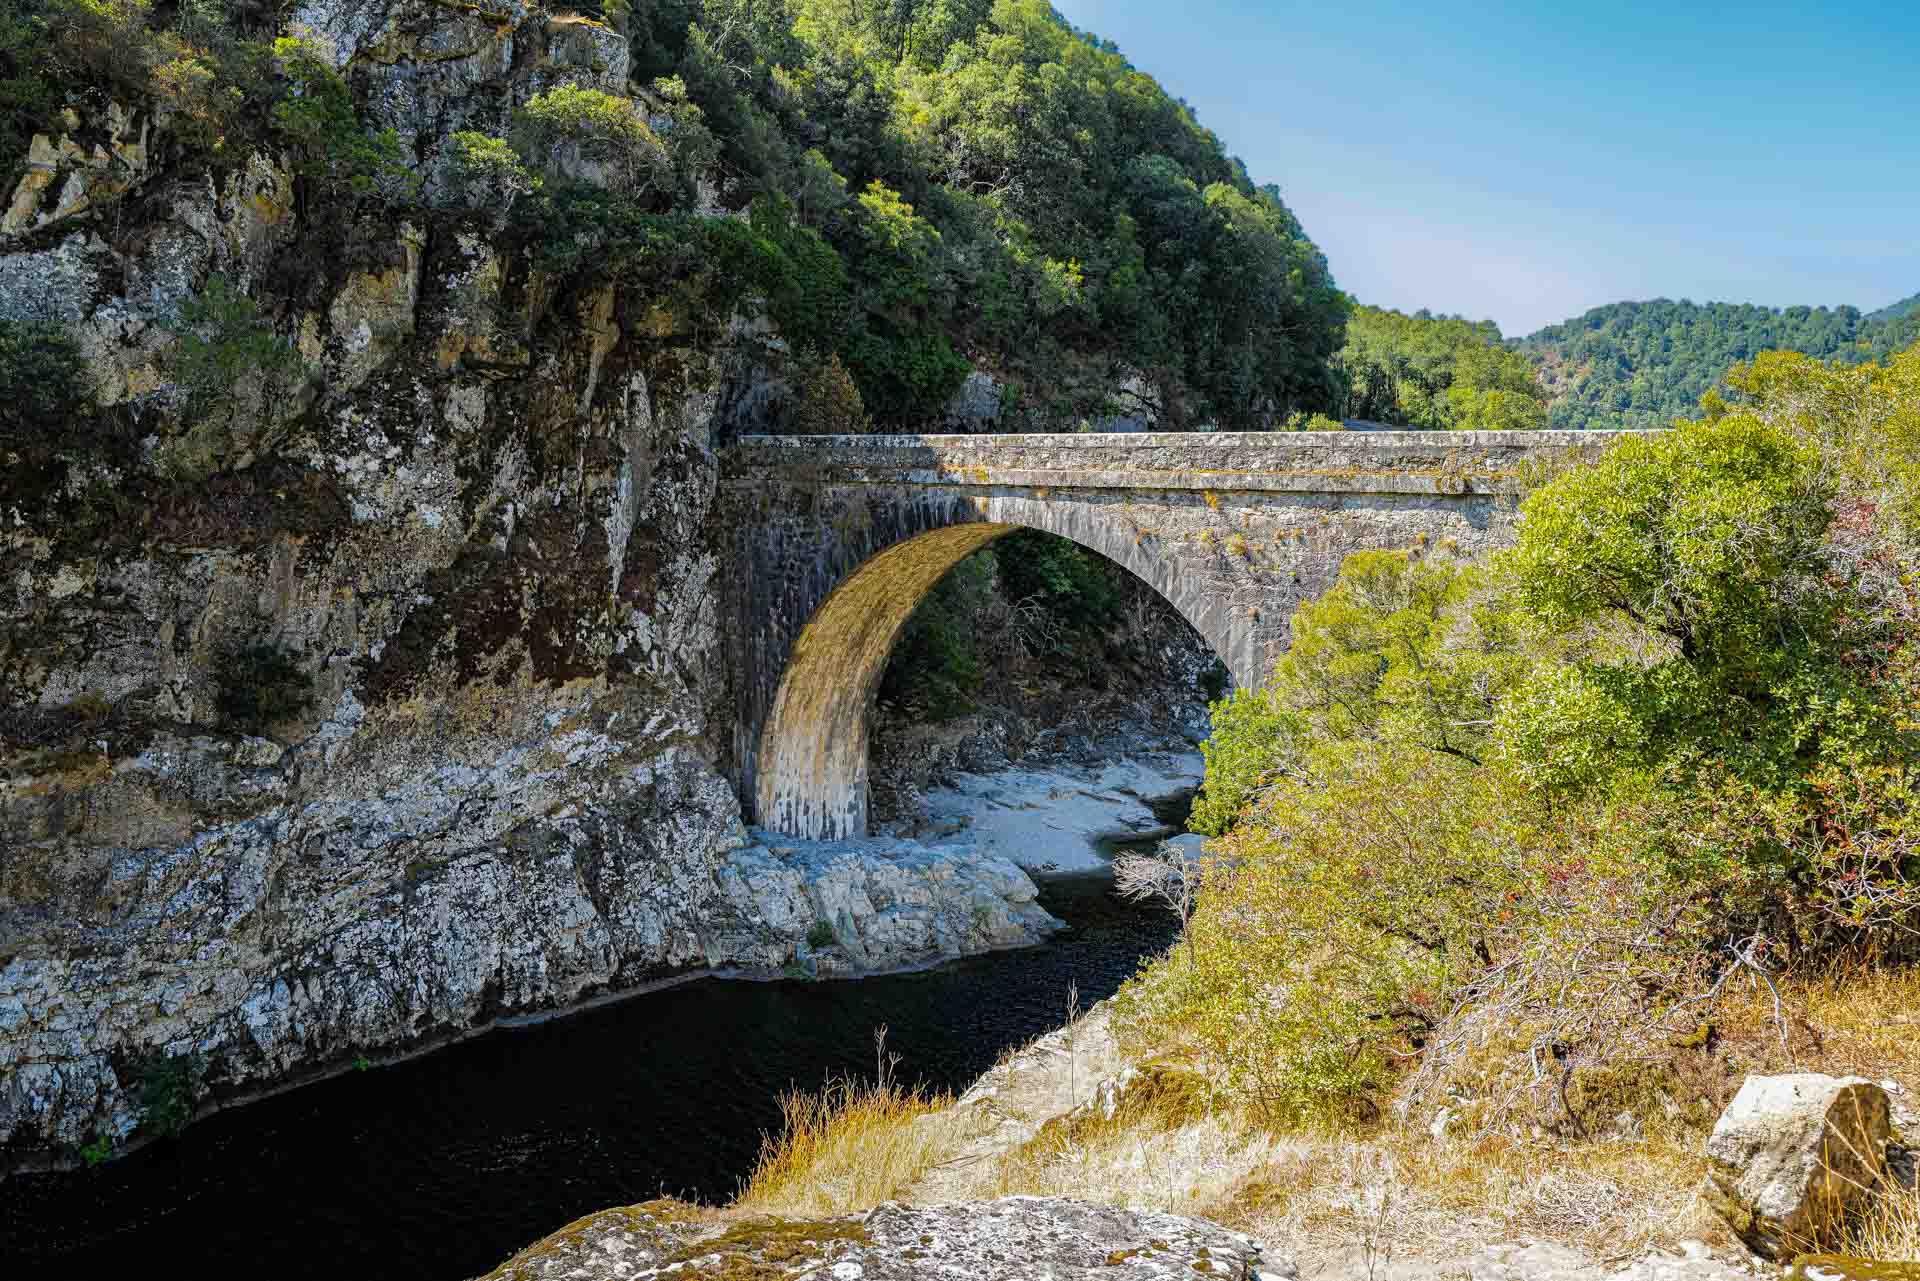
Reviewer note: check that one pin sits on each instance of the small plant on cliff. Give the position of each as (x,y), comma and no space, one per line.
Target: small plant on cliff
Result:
(830,403)
(336,150)
(168,1087)
(30,91)
(50,430)
(43,384)
(98,1152)
(259,686)
(821,935)
(577,127)
(235,376)
(490,171)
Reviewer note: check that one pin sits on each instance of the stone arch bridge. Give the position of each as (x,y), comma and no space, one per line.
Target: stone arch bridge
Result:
(837,538)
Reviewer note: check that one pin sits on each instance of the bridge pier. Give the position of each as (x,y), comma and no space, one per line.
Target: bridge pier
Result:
(837,539)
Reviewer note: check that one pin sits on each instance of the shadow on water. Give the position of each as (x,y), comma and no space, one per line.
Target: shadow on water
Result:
(443,1166)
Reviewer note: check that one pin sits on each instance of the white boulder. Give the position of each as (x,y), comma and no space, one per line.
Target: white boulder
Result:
(1792,1154)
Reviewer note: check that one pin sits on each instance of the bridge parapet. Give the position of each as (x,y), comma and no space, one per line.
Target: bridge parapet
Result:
(1296,462)
(837,538)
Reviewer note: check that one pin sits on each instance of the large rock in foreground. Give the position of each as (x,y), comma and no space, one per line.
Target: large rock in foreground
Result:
(1009,1240)
(1792,1154)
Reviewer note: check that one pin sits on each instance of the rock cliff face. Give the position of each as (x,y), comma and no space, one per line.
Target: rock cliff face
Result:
(479,529)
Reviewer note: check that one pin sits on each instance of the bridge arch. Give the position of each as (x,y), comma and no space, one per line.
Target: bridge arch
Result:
(836,539)
(810,776)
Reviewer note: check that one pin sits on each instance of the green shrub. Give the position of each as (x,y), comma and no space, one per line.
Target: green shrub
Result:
(821,935)
(906,377)
(259,686)
(32,87)
(829,403)
(167,1088)
(336,151)
(602,129)
(44,393)
(1482,818)
(236,377)
(490,171)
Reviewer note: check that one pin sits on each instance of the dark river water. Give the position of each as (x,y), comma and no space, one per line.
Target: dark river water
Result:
(443,1166)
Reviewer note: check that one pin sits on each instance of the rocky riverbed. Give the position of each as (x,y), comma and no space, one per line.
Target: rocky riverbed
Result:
(1061,809)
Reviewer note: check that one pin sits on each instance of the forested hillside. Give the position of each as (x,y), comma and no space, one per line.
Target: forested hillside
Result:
(1003,192)
(932,187)
(1434,372)
(1642,364)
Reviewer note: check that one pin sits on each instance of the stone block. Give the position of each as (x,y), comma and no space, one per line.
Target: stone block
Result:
(1792,1154)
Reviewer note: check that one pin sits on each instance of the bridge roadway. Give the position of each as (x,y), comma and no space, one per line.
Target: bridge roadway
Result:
(837,538)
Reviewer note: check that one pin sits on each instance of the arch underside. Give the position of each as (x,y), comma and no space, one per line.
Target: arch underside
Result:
(810,775)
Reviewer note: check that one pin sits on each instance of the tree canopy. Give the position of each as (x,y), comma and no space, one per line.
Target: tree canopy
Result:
(1434,372)
(1643,364)
(1010,194)
(1484,815)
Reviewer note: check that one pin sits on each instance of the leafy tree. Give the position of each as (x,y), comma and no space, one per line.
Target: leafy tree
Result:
(1042,208)
(1435,372)
(578,128)
(830,403)
(337,151)
(1538,806)
(29,96)
(490,170)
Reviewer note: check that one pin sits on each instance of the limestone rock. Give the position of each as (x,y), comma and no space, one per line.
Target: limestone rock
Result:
(1791,1154)
(850,907)
(500,578)
(65,178)
(1008,1240)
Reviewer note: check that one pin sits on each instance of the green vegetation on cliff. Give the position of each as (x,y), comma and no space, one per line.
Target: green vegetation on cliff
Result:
(1643,364)
(1006,193)
(932,187)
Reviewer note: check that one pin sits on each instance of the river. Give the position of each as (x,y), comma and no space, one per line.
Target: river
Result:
(440,1167)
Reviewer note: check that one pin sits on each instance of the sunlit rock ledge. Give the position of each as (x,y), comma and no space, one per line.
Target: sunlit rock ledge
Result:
(838,908)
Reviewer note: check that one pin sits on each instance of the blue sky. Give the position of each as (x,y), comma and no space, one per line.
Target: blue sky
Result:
(1527,161)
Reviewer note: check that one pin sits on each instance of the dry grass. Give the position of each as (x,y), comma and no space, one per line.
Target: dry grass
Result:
(1863,1022)
(851,1146)
(848,1148)
(1322,1197)
(1890,1229)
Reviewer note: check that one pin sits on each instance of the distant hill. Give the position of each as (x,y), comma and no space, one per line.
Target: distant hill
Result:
(1905,307)
(1642,364)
